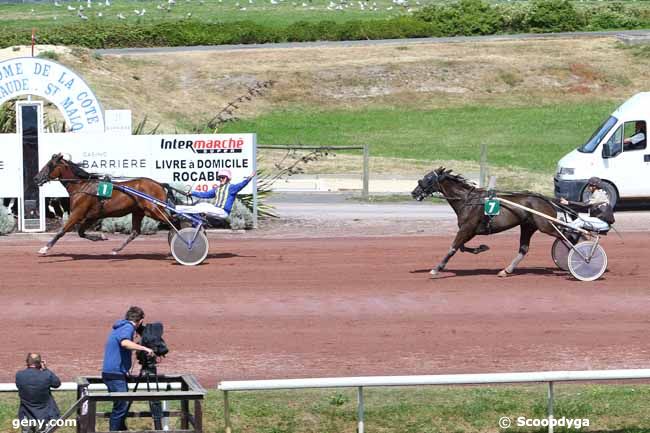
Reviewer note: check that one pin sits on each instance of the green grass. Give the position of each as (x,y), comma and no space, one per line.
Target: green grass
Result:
(532,138)
(611,408)
(260,11)
(20,15)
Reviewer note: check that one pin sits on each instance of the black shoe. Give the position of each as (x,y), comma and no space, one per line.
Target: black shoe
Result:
(215,223)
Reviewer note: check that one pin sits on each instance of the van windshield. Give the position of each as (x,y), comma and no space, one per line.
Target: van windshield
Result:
(597,137)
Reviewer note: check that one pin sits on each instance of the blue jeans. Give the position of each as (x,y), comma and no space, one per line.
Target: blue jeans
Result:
(118,415)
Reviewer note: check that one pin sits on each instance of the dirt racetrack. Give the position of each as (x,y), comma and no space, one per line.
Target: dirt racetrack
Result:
(282,308)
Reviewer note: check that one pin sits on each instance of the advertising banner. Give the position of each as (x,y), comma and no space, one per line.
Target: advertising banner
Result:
(191,161)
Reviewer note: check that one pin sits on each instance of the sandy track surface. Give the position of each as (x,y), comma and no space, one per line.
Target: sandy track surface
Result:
(274,308)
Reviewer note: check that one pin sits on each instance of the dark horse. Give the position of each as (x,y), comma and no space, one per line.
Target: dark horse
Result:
(468,202)
(86,208)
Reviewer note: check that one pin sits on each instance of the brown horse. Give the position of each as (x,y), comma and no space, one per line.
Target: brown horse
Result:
(86,208)
(468,202)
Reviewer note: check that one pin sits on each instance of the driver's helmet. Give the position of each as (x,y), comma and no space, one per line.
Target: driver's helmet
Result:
(225,172)
(595,181)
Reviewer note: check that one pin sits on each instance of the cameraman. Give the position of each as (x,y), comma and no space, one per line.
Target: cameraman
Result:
(117,362)
(36,401)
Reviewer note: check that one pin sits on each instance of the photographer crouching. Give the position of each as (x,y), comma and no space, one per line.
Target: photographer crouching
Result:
(117,362)
(37,406)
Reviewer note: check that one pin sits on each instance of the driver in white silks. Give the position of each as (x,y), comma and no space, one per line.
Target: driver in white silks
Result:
(601,214)
(224,196)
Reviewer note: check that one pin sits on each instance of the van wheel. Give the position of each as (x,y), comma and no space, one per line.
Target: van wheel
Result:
(611,191)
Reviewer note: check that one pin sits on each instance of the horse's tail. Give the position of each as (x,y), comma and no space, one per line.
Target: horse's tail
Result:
(171,193)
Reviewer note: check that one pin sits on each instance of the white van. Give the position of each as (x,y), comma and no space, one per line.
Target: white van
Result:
(617,153)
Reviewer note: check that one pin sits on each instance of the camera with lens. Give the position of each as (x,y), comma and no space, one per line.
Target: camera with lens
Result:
(151,337)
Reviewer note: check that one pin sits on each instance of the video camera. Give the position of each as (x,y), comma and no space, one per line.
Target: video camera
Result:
(151,337)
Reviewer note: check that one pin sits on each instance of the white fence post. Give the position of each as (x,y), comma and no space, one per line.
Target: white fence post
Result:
(365,192)
(360,409)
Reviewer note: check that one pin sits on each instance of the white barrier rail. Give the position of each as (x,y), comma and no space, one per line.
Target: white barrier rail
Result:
(72,386)
(549,377)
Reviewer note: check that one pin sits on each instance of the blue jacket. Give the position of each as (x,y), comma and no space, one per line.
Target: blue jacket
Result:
(36,401)
(117,359)
(225,195)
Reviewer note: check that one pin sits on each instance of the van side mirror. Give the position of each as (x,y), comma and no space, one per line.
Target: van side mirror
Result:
(607,151)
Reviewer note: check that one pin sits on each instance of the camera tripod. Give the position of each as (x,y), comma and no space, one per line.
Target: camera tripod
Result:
(148,373)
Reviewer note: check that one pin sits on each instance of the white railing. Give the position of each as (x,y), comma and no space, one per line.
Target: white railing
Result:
(72,386)
(65,386)
(549,377)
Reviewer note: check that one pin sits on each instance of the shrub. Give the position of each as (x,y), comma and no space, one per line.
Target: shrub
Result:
(123,225)
(49,55)
(612,16)
(7,221)
(240,217)
(467,17)
(553,16)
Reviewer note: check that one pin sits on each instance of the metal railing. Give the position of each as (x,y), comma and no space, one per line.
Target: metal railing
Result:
(366,158)
(549,377)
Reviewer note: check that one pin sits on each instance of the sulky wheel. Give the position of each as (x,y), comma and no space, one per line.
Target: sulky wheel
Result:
(587,261)
(171,233)
(190,246)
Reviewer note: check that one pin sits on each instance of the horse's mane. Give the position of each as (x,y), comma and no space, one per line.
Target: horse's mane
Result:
(455,176)
(80,172)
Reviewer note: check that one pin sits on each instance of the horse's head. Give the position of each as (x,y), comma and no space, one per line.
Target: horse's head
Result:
(429,184)
(54,169)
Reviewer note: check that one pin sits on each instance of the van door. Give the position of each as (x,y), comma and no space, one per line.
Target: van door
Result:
(634,160)
(614,167)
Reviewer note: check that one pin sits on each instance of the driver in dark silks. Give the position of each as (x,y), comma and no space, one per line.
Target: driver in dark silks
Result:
(601,214)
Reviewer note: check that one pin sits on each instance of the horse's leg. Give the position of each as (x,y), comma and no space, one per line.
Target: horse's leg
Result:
(136,225)
(75,217)
(85,225)
(461,237)
(481,248)
(524,243)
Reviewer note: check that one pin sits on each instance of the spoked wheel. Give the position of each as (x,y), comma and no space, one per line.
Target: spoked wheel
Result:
(560,253)
(190,246)
(587,261)
(171,233)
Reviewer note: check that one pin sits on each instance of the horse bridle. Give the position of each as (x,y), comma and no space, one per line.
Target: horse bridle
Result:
(441,194)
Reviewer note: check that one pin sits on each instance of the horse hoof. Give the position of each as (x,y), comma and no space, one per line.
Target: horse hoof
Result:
(43,251)
(503,274)
(103,237)
(434,273)
(114,252)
